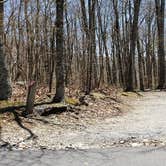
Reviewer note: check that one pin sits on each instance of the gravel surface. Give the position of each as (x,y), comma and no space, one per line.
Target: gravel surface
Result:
(143,125)
(91,157)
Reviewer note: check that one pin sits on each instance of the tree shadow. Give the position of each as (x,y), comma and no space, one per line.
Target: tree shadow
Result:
(19,122)
(17,112)
(5,145)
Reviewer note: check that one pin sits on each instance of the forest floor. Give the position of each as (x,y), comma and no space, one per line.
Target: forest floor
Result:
(108,119)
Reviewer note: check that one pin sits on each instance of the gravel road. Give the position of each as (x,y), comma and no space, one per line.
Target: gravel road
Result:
(144,124)
(145,120)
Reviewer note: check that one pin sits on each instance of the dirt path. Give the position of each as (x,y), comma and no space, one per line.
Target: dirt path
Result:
(143,125)
(146,119)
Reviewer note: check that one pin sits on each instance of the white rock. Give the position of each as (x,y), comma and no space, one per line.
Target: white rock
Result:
(136,144)
(145,140)
(122,142)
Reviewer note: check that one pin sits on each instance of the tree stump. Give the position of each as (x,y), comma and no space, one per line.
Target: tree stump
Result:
(31,97)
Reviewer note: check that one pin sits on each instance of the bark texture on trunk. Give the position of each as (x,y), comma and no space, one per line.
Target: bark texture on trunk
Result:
(60,83)
(160,10)
(133,39)
(5,88)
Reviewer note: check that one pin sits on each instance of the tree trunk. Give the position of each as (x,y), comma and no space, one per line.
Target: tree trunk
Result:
(133,39)
(160,8)
(5,88)
(60,87)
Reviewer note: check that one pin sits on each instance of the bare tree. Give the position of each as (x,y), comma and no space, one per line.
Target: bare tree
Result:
(60,82)
(160,10)
(133,39)
(5,89)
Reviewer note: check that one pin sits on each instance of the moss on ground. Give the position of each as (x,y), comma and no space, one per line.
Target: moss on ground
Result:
(98,95)
(8,103)
(71,101)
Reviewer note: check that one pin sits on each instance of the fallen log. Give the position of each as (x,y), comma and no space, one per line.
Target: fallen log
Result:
(48,109)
